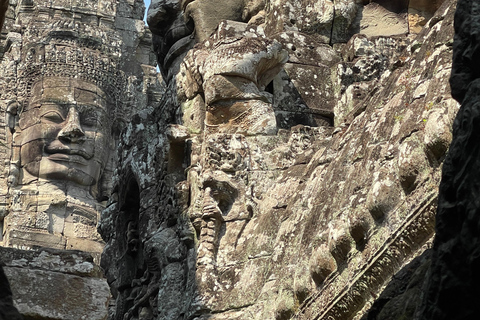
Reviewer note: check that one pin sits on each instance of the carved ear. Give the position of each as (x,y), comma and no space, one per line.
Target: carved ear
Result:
(11,117)
(117,127)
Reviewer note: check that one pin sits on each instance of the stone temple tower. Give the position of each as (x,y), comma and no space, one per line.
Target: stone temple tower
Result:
(71,75)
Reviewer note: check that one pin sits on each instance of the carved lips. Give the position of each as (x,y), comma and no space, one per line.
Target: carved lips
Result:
(60,152)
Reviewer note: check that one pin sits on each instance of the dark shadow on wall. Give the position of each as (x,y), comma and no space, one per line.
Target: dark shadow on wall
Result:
(129,243)
(3,10)
(291,109)
(402,296)
(7,309)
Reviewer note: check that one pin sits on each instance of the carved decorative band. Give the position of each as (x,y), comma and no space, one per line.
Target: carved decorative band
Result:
(410,236)
(70,50)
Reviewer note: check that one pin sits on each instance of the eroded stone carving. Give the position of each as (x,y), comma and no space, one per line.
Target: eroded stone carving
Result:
(65,95)
(245,205)
(61,132)
(231,72)
(71,74)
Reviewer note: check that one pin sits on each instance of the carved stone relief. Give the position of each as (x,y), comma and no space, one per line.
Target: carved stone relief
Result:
(230,72)
(65,96)
(229,176)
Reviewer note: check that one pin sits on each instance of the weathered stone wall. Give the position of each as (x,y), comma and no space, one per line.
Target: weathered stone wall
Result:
(289,170)
(217,214)
(56,284)
(7,310)
(452,285)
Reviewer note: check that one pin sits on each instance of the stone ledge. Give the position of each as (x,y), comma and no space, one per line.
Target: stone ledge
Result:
(70,262)
(40,294)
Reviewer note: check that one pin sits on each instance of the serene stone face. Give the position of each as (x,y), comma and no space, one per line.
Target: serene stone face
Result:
(64,131)
(208,14)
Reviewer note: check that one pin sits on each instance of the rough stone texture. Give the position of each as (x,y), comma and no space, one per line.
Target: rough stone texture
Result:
(400,298)
(68,86)
(56,284)
(7,309)
(452,285)
(289,170)
(212,219)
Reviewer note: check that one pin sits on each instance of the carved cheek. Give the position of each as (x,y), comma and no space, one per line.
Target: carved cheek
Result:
(34,140)
(93,143)
(29,118)
(101,148)
(31,152)
(39,132)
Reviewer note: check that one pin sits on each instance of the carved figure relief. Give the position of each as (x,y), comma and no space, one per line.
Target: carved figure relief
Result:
(234,69)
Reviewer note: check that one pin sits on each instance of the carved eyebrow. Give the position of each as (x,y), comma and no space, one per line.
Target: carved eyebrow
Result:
(90,108)
(65,104)
(52,100)
(50,105)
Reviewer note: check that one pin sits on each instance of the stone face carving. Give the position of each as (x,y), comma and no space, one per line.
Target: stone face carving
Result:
(177,25)
(66,93)
(61,135)
(63,131)
(172,34)
(71,75)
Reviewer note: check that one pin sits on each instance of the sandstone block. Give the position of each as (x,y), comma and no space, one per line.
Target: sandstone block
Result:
(53,295)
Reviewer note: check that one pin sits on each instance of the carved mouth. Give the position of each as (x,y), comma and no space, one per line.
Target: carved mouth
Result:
(62,157)
(62,152)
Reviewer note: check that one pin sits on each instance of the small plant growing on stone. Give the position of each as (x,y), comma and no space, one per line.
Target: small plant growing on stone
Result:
(429,106)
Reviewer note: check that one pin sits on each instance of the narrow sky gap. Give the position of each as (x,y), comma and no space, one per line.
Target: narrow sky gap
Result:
(147,4)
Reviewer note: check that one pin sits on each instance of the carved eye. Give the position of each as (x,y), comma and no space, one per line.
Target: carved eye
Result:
(53,116)
(89,119)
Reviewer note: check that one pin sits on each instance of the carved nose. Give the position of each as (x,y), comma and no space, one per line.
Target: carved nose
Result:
(72,131)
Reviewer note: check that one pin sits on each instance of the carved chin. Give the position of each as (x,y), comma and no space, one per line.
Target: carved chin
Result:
(72,174)
(51,170)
